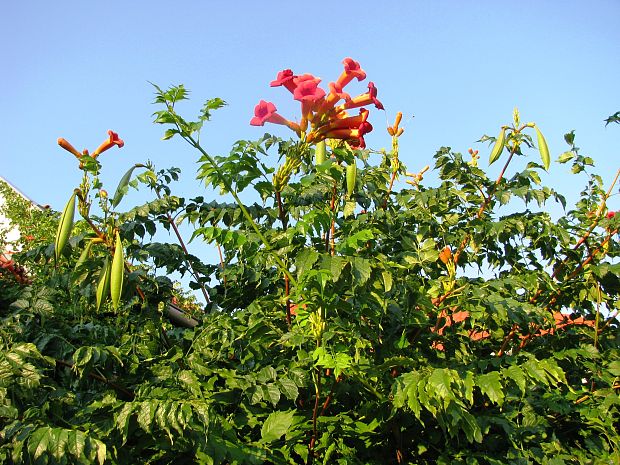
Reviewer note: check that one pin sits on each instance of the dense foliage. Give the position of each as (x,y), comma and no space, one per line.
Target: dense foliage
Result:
(349,320)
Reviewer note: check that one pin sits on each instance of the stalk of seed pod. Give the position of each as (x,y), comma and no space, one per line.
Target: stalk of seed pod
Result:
(543,149)
(64,227)
(498,147)
(117,272)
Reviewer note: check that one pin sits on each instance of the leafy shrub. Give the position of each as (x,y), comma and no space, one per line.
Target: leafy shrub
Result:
(349,321)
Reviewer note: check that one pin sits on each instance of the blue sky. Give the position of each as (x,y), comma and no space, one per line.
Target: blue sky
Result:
(75,69)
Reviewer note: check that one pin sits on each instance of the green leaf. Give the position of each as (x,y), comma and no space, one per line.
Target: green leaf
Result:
(305,260)
(76,442)
(39,441)
(516,374)
(349,209)
(288,387)
(276,425)
(615,118)
(271,393)
(490,384)
(565,157)
(360,268)
(387,280)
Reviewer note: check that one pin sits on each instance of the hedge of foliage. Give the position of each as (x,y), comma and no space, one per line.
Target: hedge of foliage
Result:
(353,318)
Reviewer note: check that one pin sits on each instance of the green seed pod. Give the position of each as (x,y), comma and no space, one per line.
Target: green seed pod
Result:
(319,152)
(84,255)
(104,283)
(117,272)
(351,178)
(543,148)
(64,227)
(498,147)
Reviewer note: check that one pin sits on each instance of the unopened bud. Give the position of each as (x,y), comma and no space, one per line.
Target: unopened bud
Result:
(445,255)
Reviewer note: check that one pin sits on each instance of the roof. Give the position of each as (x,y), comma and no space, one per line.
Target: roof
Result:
(24,196)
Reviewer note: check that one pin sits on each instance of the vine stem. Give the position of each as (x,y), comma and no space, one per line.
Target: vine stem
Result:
(329,235)
(284,220)
(582,240)
(185,251)
(485,203)
(317,390)
(103,379)
(219,251)
(279,263)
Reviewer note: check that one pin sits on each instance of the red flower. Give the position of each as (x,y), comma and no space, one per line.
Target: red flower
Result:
(307,88)
(113,140)
(265,112)
(352,69)
(308,92)
(610,215)
(285,78)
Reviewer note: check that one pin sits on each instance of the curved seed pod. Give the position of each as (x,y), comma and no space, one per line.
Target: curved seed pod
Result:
(64,227)
(319,152)
(117,272)
(543,148)
(351,176)
(121,190)
(498,147)
(84,255)
(104,283)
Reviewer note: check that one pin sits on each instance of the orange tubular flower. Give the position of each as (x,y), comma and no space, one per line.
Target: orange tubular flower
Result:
(265,112)
(362,100)
(318,108)
(307,91)
(68,147)
(352,69)
(113,140)
(355,136)
(335,94)
(350,122)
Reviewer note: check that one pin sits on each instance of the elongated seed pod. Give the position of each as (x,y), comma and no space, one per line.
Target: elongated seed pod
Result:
(319,153)
(543,148)
(498,147)
(84,255)
(351,176)
(104,283)
(64,227)
(122,185)
(117,273)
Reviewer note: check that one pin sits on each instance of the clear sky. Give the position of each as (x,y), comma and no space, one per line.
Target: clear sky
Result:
(75,69)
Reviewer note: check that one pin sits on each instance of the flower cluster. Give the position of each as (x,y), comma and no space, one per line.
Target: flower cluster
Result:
(111,141)
(324,115)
